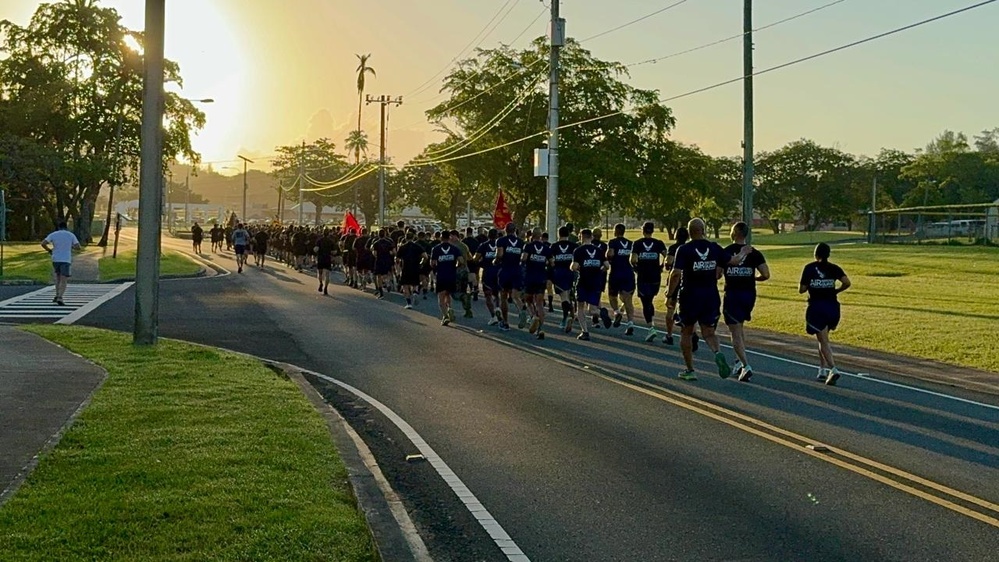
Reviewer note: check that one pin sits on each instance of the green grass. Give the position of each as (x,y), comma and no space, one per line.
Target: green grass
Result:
(766,237)
(185,453)
(939,302)
(26,261)
(123,267)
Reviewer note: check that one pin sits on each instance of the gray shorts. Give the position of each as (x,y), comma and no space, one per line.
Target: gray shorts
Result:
(61,268)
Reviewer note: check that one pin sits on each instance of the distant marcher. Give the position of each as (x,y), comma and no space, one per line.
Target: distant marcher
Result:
(61,244)
(818,279)
(197,235)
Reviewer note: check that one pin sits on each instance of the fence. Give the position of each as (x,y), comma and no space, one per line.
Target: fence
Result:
(945,224)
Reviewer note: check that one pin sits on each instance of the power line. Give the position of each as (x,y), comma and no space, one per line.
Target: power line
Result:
(633,22)
(529,26)
(422,87)
(724,83)
(737,36)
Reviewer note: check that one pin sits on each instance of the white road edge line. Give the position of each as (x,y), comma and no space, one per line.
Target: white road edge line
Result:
(92,305)
(475,507)
(869,378)
(19,298)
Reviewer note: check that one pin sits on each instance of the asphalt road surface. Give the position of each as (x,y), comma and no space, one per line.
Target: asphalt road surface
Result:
(595,451)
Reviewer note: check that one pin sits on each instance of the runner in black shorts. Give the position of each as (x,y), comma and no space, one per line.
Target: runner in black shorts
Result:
(324,250)
(647,258)
(410,256)
(485,256)
(562,275)
(681,238)
(819,279)
(536,257)
(472,243)
(740,295)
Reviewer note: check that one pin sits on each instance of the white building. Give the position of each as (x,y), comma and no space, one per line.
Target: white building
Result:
(992,222)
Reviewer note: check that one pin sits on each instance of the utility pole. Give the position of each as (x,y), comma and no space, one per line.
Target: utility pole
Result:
(874,207)
(383,101)
(469,213)
(147,273)
(187,201)
(557,41)
(245,161)
(747,140)
(301,181)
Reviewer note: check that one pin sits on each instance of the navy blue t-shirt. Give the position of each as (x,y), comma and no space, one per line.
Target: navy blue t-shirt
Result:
(562,252)
(513,248)
(537,259)
(699,260)
(621,261)
(446,256)
(590,258)
(742,277)
(487,250)
(820,277)
(649,263)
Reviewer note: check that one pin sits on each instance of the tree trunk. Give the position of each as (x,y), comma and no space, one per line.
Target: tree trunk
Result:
(774,226)
(107,221)
(85,219)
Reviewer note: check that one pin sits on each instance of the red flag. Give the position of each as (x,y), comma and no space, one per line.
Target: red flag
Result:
(350,223)
(502,215)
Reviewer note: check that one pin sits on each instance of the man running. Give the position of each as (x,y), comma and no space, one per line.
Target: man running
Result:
(485,256)
(410,256)
(698,266)
(260,240)
(740,295)
(647,258)
(822,316)
(324,250)
(600,312)
(509,249)
(536,257)
(197,235)
(445,259)
(680,238)
(622,279)
(425,270)
(563,276)
(60,244)
(463,273)
(241,244)
(383,249)
(472,243)
(589,261)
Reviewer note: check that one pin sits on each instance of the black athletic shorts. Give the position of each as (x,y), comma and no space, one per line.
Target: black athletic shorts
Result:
(449,287)
(821,315)
(410,276)
(648,289)
(699,306)
(621,284)
(239,249)
(737,307)
(324,264)
(383,267)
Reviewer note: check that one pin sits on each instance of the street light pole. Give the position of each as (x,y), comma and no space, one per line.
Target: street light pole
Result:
(747,140)
(245,161)
(557,41)
(147,271)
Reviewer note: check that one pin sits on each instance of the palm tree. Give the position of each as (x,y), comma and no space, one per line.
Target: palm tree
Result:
(356,142)
(362,70)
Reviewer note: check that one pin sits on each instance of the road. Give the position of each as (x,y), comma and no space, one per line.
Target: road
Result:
(595,451)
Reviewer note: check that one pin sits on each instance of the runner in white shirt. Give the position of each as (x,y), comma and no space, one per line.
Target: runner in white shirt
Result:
(241,244)
(61,244)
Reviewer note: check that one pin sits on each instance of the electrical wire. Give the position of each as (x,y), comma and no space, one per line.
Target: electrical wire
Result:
(422,87)
(357,177)
(349,173)
(736,36)
(723,83)
(633,22)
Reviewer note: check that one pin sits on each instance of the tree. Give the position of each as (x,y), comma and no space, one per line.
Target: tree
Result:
(71,90)
(362,71)
(443,190)
(322,165)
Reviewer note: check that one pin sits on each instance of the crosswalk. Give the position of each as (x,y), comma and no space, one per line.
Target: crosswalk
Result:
(79,300)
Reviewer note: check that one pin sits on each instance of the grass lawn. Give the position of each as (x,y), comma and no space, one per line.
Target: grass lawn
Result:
(185,453)
(123,267)
(763,237)
(934,302)
(26,261)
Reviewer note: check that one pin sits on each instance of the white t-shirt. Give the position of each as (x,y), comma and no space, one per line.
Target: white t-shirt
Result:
(62,245)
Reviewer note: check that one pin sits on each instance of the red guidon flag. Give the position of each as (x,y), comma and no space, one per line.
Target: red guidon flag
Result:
(502,215)
(350,223)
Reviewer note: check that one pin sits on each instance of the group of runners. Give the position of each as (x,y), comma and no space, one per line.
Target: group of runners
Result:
(522,275)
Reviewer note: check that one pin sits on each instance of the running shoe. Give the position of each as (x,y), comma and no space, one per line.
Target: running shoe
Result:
(55,299)
(568,326)
(541,335)
(504,327)
(629,329)
(535,324)
(450,314)
(61,303)
(320,287)
(561,325)
(833,377)
(468,313)
(445,320)
(745,375)
(821,376)
(687,375)
(668,339)
(326,290)
(605,316)
(498,314)
(583,336)
(522,319)
(617,319)
(408,307)
(493,321)
(723,368)
(652,334)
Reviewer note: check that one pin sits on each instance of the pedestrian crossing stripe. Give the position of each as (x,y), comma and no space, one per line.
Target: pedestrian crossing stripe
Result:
(79,300)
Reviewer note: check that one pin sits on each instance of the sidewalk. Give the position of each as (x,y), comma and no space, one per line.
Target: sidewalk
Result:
(42,387)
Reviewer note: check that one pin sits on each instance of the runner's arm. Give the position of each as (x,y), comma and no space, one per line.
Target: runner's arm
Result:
(844,284)
(764,270)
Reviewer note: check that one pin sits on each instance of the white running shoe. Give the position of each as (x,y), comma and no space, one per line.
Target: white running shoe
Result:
(652,334)
(493,321)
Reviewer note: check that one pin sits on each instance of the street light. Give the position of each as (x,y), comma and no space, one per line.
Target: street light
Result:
(245,161)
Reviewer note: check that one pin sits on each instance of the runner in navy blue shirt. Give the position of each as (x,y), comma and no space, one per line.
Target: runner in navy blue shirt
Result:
(445,258)
(590,262)
(563,276)
(647,259)
(740,295)
(622,279)
(680,238)
(698,266)
(383,249)
(509,250)
(410,258)
(536,257)
(485,256)
(819,279)
(600,313)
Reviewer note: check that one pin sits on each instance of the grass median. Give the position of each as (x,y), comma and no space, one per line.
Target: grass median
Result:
(123,267)
(26,261)
(185,453)
(933,302)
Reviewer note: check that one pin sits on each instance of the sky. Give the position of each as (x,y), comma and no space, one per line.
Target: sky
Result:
(282,71)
